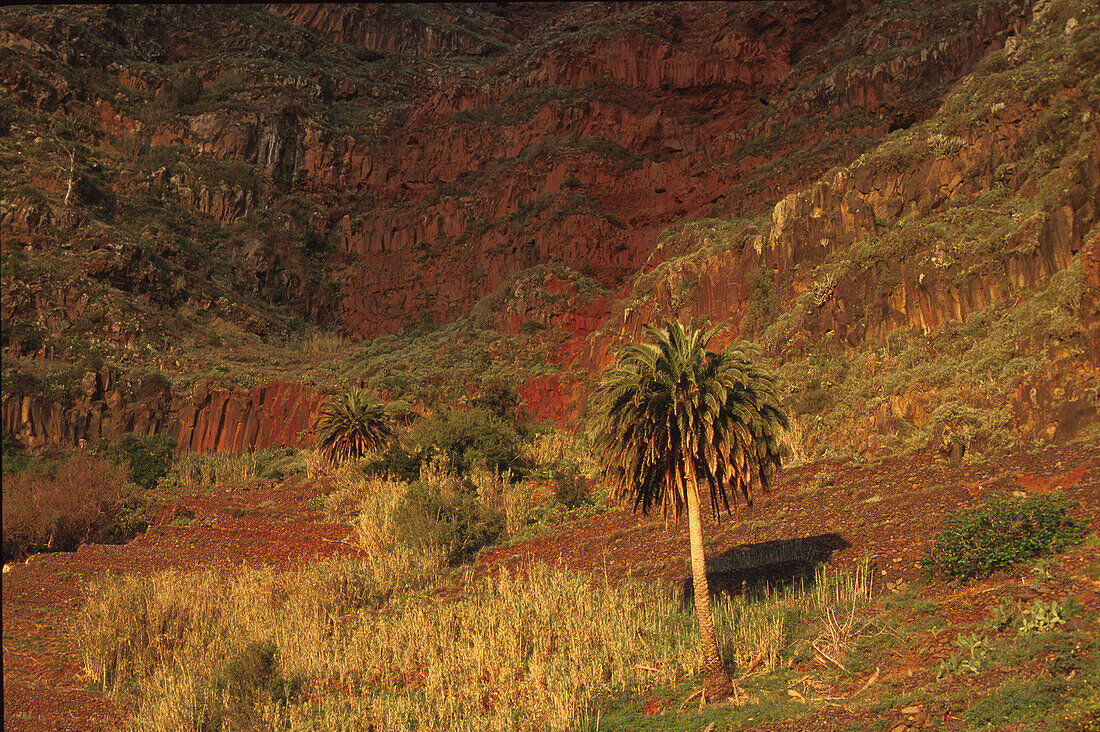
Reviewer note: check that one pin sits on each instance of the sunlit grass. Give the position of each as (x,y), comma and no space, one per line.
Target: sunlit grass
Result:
(360,640)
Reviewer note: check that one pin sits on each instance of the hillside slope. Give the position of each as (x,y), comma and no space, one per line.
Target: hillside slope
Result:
(211,191)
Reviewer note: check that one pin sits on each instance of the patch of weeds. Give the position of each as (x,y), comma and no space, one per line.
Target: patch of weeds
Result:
(182,521)
(1041,617)
(1002,532)
(1004,615)
(972,655)
(1041,570)
(1018,701)
(820,482)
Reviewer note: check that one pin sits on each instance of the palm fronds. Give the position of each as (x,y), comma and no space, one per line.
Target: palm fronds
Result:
(671,412)
(351,425)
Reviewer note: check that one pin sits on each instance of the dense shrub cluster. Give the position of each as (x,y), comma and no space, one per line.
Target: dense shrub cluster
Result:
(54,507)
(974,542)
(448,518)
(149,457)
(471,437)
(477,437)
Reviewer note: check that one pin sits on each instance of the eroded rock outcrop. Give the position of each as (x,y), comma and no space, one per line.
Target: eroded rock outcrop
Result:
(276,414)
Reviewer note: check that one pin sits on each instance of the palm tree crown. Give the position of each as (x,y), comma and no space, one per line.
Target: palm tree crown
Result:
(351,425)
(672,413)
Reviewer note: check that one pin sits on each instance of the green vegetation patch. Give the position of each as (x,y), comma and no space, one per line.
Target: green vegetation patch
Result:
(1001,532)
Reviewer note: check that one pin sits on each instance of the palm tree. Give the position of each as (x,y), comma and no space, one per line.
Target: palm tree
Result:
(670,415)
(351,425)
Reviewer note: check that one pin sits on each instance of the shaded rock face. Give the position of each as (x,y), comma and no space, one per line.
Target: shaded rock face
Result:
(644,127)
(426,31)
(577,136)
(277,414)
(587,131)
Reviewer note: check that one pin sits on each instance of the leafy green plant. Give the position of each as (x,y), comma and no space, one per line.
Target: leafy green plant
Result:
(1003,531)
(352,425)
(1041,617)
(1004,615)
(973,654)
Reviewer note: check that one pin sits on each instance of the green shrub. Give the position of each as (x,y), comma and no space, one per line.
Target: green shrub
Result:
(449,519)
(397,462)
(471,437)
(149,457)
(974,542)
(571,488)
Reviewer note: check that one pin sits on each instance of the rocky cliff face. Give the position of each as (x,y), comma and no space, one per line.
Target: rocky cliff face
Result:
(368,167)
(959,229)
(579,146)
(275,414)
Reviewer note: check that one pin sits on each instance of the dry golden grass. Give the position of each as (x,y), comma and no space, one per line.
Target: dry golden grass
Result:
(559,446)
(214,468)
(755,632)
(357,642)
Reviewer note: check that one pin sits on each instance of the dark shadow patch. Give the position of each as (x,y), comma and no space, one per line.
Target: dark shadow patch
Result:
(765,567)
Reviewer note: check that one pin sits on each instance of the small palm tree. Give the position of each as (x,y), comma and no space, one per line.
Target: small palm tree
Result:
(671,415)
(351,425)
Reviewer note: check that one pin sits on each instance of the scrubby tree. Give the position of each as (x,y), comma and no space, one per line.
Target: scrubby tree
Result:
(351,425)
(671,416)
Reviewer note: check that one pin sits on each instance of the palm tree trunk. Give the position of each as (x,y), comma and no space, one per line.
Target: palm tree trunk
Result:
(717,686)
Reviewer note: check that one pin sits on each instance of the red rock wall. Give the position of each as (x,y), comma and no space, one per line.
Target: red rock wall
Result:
(675,85)
(278,414)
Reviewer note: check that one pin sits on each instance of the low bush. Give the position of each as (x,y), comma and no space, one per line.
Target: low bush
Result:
(397,463)
(472,437)
(975,542)
(56,507)
(149,457)
(571,488)
(448,518)
(276,464)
